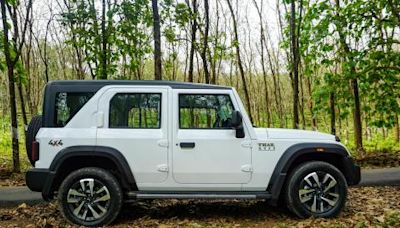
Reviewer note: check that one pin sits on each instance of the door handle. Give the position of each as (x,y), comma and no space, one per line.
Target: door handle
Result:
(187,145)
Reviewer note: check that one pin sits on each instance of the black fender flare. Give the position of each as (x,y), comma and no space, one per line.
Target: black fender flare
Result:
(89,151)
(280,172)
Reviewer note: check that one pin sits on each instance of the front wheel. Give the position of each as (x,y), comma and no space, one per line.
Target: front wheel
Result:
(316,189)
(90,197)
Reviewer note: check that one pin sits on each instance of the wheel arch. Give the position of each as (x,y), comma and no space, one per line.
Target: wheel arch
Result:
(304,152)
(72,158)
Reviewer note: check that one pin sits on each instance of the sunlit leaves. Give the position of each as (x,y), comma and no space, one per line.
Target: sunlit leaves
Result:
(182,14)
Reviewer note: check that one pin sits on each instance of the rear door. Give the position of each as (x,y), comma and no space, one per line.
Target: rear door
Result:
(135,124)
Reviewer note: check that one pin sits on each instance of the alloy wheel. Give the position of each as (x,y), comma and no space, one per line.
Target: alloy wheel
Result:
(319,192)
(88,199)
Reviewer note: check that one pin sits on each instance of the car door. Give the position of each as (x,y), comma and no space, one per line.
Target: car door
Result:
(135,124)
(205,149)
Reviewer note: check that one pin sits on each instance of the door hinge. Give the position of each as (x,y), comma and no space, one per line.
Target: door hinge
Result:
(163,143)
(246,144)
(162,168)
(247,168)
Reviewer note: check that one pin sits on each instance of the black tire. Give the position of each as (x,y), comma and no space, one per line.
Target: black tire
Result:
(100,178)
(33,128)
(307,203)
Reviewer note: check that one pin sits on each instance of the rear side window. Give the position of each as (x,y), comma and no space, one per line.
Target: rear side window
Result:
(135,110)
(68,104)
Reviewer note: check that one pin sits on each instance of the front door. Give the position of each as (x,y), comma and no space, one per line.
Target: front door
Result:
(205,149)
(135,124)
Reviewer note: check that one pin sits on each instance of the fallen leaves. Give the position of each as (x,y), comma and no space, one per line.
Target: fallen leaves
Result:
(367,206)
(8,179)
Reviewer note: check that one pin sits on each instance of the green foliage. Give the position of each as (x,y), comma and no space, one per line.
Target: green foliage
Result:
(6,144)
(370,56)
(126,34)
(20,73)
(182,13)
(378,144)
(133,39)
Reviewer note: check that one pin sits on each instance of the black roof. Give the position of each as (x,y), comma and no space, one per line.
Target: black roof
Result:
(97,84)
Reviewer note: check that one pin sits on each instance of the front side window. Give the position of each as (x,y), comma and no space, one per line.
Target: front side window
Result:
(135,110)
(209,111)
(68,104)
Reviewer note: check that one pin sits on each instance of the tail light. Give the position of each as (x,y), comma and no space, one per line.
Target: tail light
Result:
(35,151)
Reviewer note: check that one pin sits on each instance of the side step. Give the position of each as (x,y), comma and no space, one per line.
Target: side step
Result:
(198,195)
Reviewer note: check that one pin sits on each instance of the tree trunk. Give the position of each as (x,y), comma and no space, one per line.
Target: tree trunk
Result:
(357,114)
(213,59)
(205,42)
(46,61)
(332,111)
(14,120)
(262,40)
(310,105)
(103,74)
(78,52)
(275,79)
(193,38)
(185,70)
(303,118)
(157,41)
(354,83)
(28,71)
(11,89)
(23,109)
(239,61)
(295,65)
(396,128)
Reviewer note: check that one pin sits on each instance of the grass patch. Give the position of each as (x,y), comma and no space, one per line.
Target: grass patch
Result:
(6,163)
(378,144)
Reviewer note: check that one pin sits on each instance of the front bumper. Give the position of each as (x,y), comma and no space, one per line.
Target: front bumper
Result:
(352,171)
(40,180)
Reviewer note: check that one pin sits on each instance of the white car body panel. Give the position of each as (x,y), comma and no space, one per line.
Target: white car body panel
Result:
(142,148)
(218,156)
(219,161)
(276,133)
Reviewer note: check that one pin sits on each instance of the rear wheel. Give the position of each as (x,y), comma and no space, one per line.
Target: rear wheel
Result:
(90,197)
(316,189)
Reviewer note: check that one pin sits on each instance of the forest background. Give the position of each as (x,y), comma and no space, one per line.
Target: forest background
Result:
(326,65)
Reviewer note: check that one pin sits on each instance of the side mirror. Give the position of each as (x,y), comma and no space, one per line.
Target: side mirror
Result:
(236,119)
(237,124)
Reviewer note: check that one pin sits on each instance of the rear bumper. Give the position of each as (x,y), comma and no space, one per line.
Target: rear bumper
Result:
(351,171)
(40,180)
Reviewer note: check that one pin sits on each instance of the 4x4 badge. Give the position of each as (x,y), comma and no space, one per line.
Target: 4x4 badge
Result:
(55,142)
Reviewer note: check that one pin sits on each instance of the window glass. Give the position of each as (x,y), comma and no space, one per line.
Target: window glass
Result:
(67,105)
(205,111)
(134,110)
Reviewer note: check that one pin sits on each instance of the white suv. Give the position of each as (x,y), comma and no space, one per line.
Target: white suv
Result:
(102,143)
